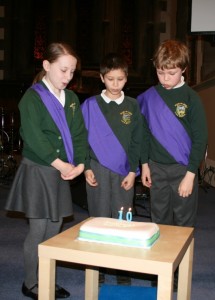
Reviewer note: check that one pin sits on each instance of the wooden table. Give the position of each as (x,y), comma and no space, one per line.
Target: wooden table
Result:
(174,248)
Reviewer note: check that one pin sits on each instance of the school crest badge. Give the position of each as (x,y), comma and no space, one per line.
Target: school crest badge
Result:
(126,117)
(180,110)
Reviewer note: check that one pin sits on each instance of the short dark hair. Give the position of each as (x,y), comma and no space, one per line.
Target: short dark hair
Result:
(113,61)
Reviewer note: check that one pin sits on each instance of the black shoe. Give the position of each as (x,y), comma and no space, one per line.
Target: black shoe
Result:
(61,292)
(28,292)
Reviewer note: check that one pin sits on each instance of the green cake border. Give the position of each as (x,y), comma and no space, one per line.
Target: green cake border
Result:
(117,240)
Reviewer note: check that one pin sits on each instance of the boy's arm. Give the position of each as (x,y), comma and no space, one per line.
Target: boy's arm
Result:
(145,142)
(199,136)
(146,175)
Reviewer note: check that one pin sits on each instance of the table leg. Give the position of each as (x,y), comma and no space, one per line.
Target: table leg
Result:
(47,269)
(185,274)
(165,286)
(91,284)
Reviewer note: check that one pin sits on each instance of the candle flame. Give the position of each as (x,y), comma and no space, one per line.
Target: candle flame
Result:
(121,208)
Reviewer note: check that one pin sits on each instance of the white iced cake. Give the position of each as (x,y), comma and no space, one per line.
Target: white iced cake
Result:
(119,232)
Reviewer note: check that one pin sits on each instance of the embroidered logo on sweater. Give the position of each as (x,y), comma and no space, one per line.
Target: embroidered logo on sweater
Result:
(126,117)
(73,108)
(180,110)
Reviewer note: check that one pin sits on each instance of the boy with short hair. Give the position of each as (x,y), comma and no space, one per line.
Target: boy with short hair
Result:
(114,125)
(174,139)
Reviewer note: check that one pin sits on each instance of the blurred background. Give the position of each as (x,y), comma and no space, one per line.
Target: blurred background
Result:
(133,28)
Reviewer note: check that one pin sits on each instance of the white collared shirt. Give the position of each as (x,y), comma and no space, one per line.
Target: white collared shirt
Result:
(108,100)
(180,83)
(61,99)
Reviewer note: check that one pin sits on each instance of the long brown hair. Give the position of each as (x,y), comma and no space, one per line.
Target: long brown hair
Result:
(52,53)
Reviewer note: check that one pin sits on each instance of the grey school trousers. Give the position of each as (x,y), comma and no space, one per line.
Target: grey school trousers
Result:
(167,207)
(108,197)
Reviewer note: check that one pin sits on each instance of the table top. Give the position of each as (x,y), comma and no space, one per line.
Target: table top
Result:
(167,252)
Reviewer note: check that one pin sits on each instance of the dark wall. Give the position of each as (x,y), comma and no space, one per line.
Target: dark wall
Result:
(92,27)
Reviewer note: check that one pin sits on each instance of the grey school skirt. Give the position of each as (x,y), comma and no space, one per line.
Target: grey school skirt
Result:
(39,192)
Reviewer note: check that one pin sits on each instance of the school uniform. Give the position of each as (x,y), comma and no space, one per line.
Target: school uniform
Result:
(114,133)
(174,142)
(38,189)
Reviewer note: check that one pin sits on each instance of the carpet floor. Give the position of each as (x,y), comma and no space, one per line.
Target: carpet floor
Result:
(14,227)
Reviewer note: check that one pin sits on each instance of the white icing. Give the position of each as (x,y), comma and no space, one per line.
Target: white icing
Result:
(139,231)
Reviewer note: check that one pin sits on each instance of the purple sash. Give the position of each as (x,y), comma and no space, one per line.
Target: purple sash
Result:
(102,140)
(57,113)
(164,126)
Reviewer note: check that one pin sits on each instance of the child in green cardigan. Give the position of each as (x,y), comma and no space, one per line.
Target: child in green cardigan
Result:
(54,151)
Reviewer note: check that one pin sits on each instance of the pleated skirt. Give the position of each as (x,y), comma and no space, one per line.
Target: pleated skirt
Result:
(39,192)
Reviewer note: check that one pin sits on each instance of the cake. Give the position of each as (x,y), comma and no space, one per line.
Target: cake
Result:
(119,232)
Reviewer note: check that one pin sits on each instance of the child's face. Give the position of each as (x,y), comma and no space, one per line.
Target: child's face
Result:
(60,72)
(114,82)
(169,78)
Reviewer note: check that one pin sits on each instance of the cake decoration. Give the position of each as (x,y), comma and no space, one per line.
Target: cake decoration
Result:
(119,232)
(128,214)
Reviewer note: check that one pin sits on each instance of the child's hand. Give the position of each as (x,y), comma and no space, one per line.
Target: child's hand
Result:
(65,168)
(146,176)
(128,181)
(75,171)
(186,186)
(90,178)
